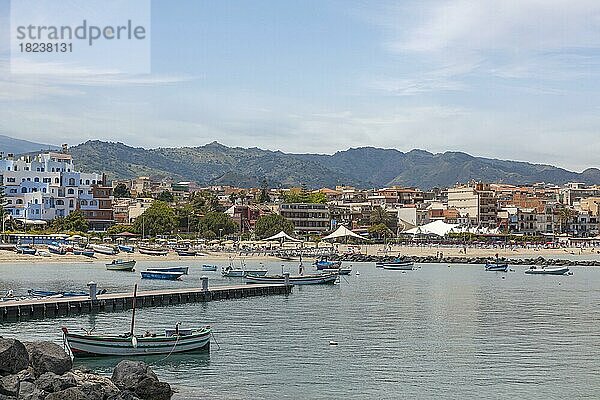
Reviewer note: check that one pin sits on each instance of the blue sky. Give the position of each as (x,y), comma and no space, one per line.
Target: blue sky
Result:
(511,79)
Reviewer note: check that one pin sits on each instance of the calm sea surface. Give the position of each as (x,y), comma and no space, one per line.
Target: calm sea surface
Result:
(435,332)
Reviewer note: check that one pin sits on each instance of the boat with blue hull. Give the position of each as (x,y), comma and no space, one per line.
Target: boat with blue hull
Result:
(126,249)
(496,267)
(167,276)
(57,249)
(326,264)
(183,269)
(84,252)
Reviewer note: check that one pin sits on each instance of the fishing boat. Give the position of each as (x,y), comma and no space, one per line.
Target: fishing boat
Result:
(153,251)
(23,249)
(206,267)
(57,249)
(101,249)
(161,275)
(535,270)
(121,265)
(83,252)
(126,249)
(316,279)
(339,271)
(326,264)
(399,265)
(496,267)
(182,269)
(172,341)
(186,253)
(230,272)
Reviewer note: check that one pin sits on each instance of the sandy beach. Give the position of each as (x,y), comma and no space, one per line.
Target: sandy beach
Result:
(7,257)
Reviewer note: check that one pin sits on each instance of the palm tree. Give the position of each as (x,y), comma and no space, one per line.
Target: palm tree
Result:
(565,214)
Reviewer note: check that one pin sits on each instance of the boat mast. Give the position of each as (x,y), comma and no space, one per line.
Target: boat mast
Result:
(133,312)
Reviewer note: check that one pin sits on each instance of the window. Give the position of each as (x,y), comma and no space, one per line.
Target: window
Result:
(71,203)
(70,191)
(19,201)
(56,180)
(71,181)
(24,190)
(87,181)
(60,202)
(36,179)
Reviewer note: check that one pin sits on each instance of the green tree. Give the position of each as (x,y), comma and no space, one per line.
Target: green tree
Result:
(120,228)
(381,216)
(379,231)
(204,202)
(121,191)
(217,222)
(74,222)
(264,197)
(304,197)
(565,215)
(158,219)
(165,196)
(3,213)
(187,218)
(272,224)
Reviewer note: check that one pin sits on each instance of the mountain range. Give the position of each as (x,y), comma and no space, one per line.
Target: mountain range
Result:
(20,146)
(364,167)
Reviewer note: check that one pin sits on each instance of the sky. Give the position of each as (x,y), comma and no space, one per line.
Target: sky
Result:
(511,79)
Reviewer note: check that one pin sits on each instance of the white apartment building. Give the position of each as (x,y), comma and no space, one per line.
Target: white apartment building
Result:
(477,202)
(47,186)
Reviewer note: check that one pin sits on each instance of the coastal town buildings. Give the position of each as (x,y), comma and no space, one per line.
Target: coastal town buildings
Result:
(307,217)
(476,201)
(46,186)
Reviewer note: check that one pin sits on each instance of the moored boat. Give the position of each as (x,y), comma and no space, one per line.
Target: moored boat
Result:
(169,276)
(126,249)
(230,272)
(339,271)
(24,249)
(206,267)
(535,270)
(186,253)
(496,267)
(121,265)
(315,279)
(83,252)
(52,293)
(57,249)
(183,269)
(399,265)
(153,251)
(326,264)
(101,249)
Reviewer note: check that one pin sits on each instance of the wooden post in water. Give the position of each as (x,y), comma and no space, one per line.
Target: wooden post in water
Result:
(133,312)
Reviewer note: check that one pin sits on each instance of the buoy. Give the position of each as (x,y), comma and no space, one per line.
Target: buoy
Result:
(332,343)
(357,273)
(503,277)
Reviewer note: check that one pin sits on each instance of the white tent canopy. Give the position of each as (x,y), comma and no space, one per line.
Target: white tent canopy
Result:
(282,236)
(439,228)
(31,221)
(342,231)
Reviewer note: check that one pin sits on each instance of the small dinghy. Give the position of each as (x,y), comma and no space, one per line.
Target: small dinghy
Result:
(339,271)
(57,249)
(182,269)
(496,267)
(185,253)
(325,264)
(206,267)
(101,249)
(167,276)
(535,270)
(51,293)
(121,265)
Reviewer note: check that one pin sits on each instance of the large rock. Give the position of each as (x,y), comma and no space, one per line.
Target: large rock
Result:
(128,374)
(28,391)
(151,389)
(137,377)
(13,356)
(50,382)
(95,386)
(124,395)
(48,357)
(9,385)
(71,393)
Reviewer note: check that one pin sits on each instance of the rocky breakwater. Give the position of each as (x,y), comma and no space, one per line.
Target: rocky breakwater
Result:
(467,260)
(43,371)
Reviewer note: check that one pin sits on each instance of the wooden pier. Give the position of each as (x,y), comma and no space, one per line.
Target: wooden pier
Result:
(17,310)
